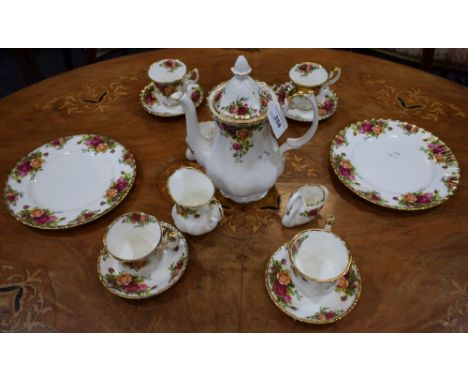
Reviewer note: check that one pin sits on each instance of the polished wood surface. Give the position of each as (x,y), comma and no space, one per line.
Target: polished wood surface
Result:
(414,265)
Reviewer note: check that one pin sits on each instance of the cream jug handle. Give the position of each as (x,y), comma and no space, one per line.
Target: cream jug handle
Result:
(291,207)
(333,76)
(296,143)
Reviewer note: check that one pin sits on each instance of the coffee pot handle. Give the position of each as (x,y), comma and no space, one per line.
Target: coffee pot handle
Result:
(296,143)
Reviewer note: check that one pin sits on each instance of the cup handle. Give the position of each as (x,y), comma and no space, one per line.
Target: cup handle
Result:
(333,76)
(192,76)
(330,220)
(216,202)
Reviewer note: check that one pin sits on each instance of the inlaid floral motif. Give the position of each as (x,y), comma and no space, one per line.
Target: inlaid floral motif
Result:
(126,283)
(409,128)
(11,195)
(371,128)
(188,212)
(170,65)
(58,143)
(305,69)
(117,188)
(418,199)
(327,104)
(29,165)
(345,170)
(39,217)
(451,181)
(148,96)
(281,284)
(310,213)
(85,216)
(97,144)
(241,137)
(326,314)
(176,267)
(437,151)
(347,286)
(240,108)
(139,219)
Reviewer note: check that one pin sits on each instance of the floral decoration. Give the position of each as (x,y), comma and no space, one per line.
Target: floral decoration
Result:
(136,265)
(347,285)
(176,267)
(409,128)
(117,188)
(326,105)
(418,199)
(30,165)
(326,314)
(187,212)
(127,158)
(58,143)
(340,139)
(11,195)
(241,137)
(437,151)
(305,69)
(345,170)
(41,217)
(297,244)
(196,95)
(97,143)
(281,284)
(451,181)
(85,216)
(139,219)
(126,283)
(167,89)
(372,128)
(148,96)
(372,196)
(240,108)
(310,213)
(170,65)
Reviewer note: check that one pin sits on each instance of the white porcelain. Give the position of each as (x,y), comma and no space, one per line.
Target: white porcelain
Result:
(295,296)
(395,164)
(327,102)
(69,181)
(169,76)
(151,102)
(243,159)
(151,276)
(196,211)
(304,205)
(132,236)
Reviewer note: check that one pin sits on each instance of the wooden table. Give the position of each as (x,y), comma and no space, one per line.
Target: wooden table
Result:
(414,264)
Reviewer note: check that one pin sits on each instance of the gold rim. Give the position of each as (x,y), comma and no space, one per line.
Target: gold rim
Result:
(104,238)
(190,168)
(296,268)
(240,121)
(133,166)
(177,278)
(310,320)
(450,193)
(165,115)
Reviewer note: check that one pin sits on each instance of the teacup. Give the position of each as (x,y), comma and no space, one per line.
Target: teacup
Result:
(196,210)
(304,205)
(309,78)
(320,257)
(132,237)
(170,76)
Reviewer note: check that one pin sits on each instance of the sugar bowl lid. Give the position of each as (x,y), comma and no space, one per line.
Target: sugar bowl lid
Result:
(241,99)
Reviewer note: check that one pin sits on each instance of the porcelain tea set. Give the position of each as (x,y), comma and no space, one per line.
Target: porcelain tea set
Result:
(311,278)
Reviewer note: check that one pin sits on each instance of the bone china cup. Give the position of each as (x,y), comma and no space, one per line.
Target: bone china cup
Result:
(320,257)
(170,76)
(133,236)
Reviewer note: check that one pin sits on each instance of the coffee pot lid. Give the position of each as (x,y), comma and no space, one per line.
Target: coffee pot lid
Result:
(241,99)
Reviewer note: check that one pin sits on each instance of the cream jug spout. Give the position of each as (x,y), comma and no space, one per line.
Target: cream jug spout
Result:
(198,144)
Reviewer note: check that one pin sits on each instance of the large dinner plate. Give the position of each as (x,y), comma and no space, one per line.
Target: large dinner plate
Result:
(395,164)
(69,181)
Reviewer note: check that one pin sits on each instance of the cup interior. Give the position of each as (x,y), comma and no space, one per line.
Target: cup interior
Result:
(133,236)
(167,70)
(308,74)
(313,195)
(319,255)
(190,188)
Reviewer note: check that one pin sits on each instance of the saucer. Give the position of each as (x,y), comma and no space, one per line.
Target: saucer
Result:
(327,102)
(290,293)
(146,278)
(152,105)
